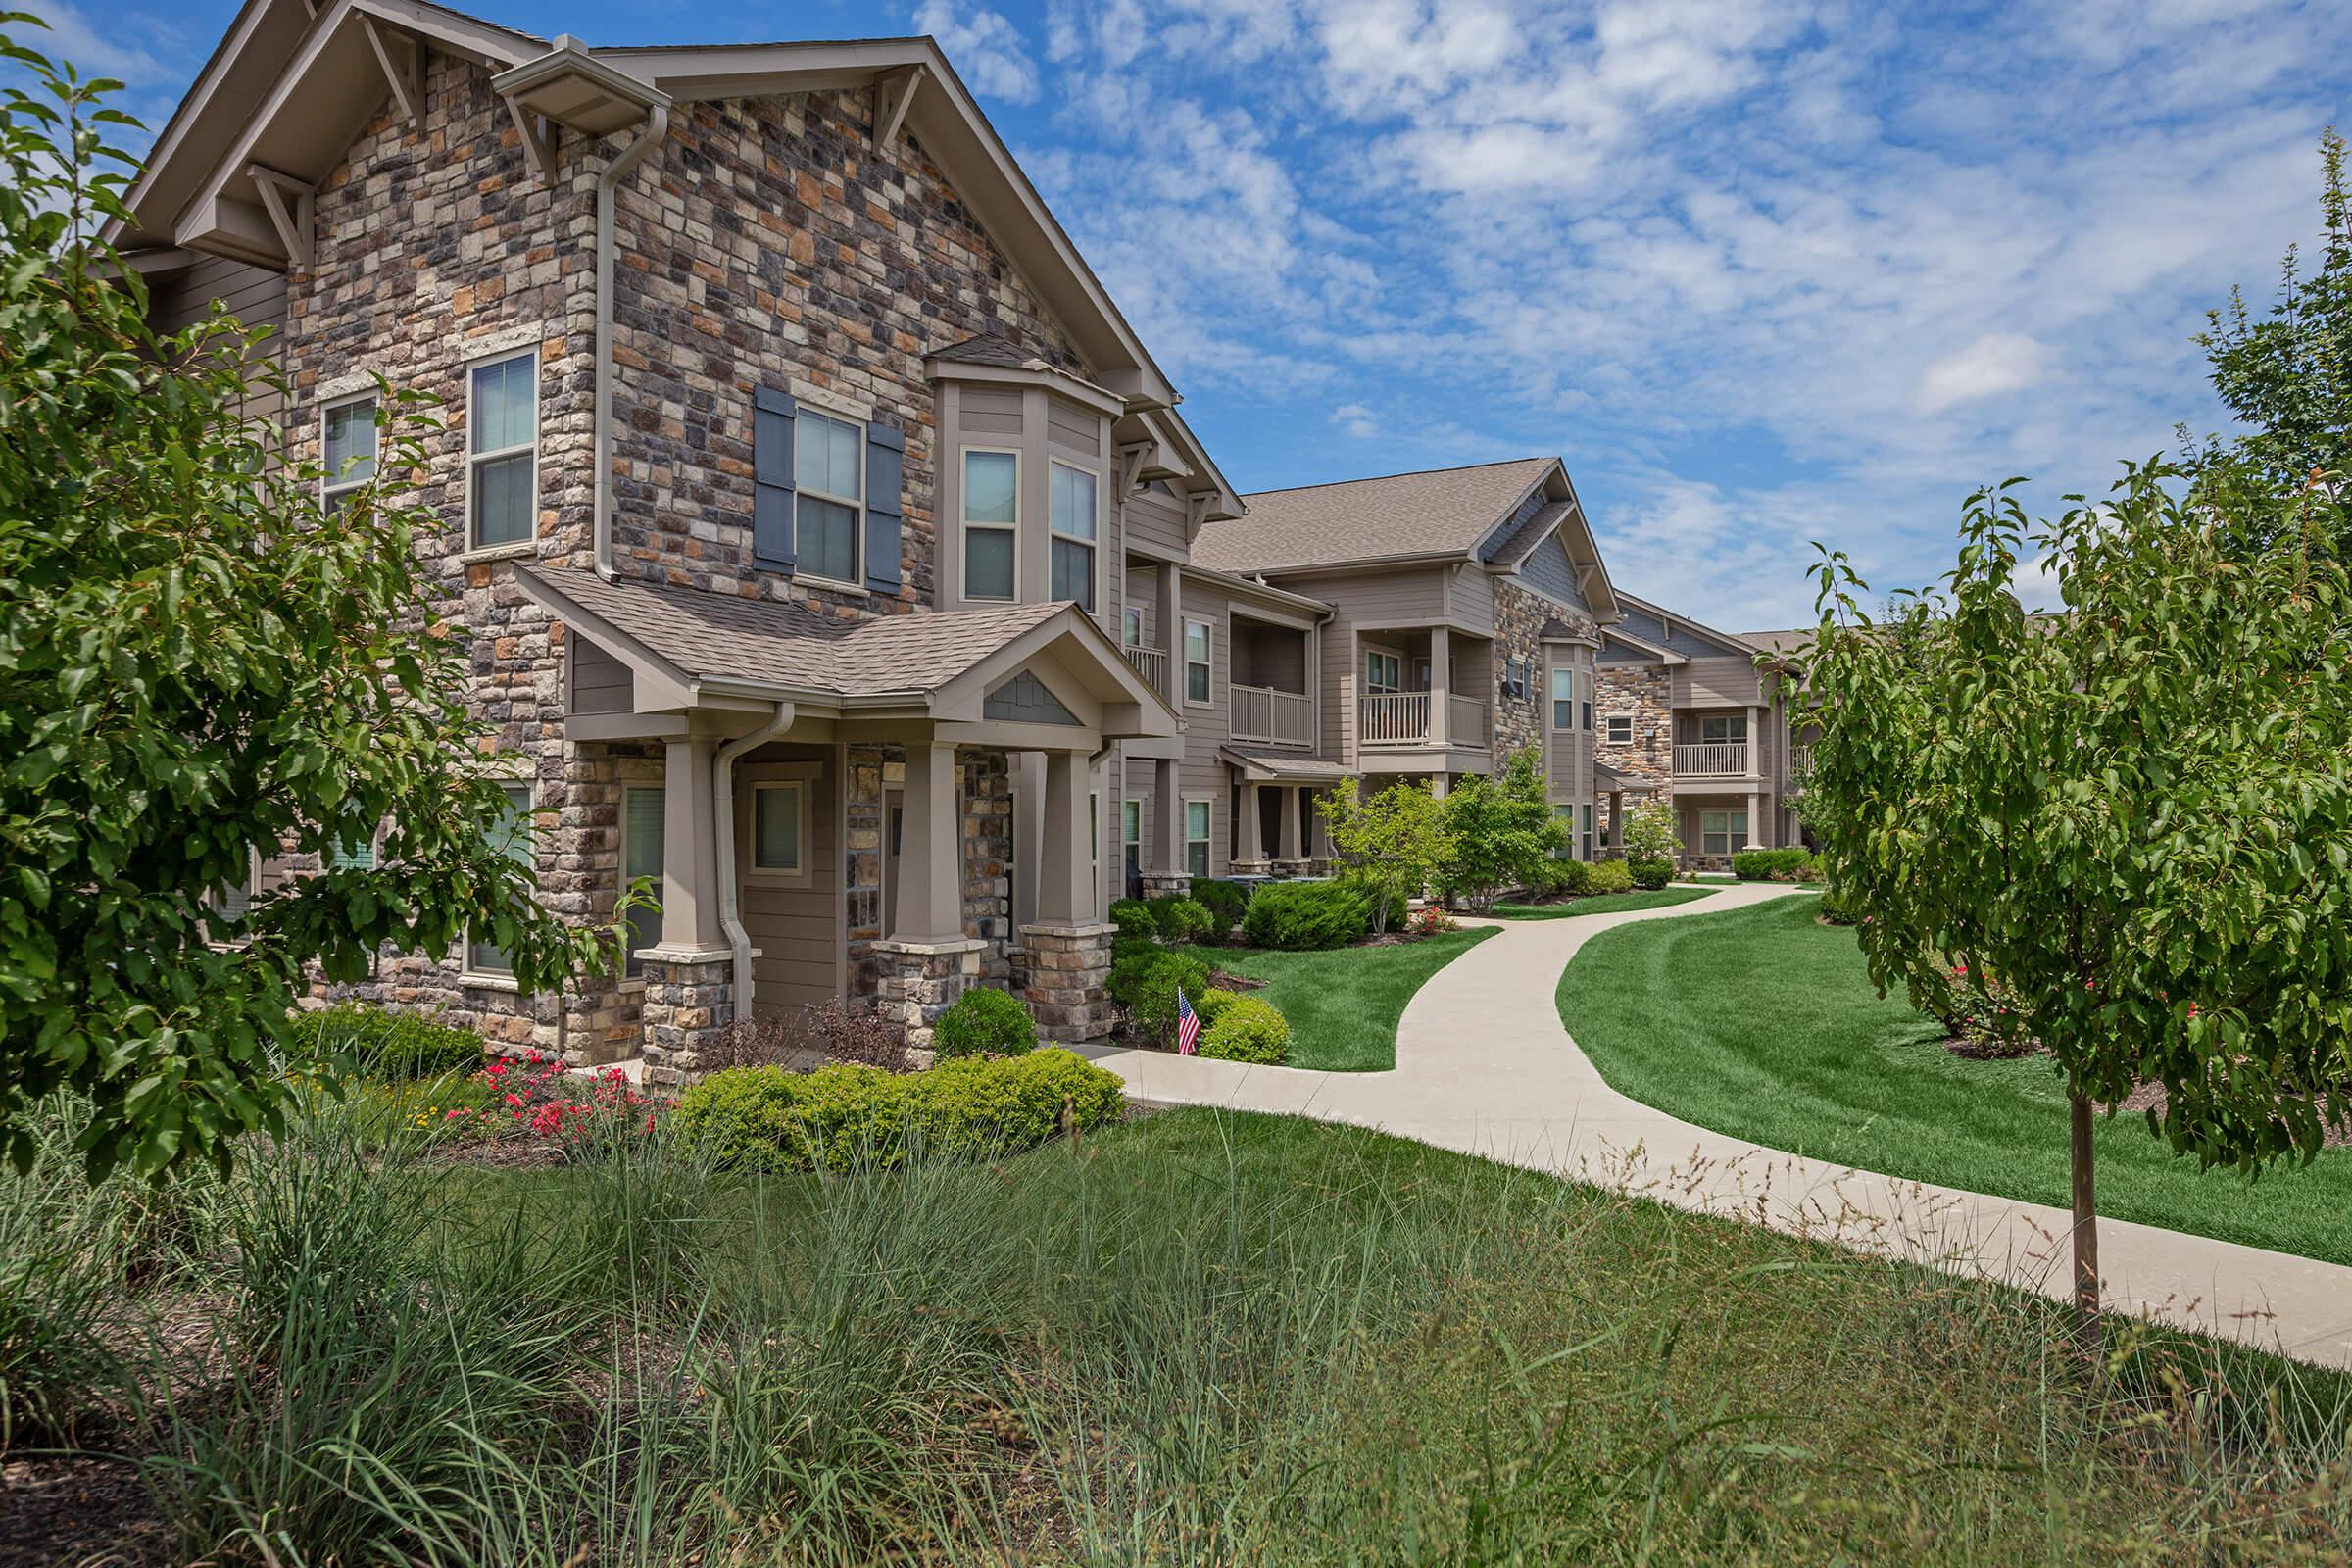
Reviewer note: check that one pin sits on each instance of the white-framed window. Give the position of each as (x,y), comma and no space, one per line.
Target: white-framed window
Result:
(1567,818)
(1722,729)
(1384,671)
(991,514)
(1584,681)
(1070,521)
(828,481)
(511,832)
(1722,832)
(352,849)
(502,451)
(1197,643)
(1563,699)
(1620,730)
(644,845)
(347,440)
(780,830)
(1131,626)
(1196,838)
(1584,815)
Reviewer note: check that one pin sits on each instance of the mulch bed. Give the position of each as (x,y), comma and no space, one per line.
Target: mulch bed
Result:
(77,1511)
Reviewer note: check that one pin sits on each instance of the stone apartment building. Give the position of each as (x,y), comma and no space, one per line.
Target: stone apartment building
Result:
(834,552)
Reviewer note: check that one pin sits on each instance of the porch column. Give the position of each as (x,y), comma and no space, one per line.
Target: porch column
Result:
(1760,834)
(1065,878)
(1617,820)
(1286,842)
(930,851)
(1440,684)
(1167,817)
(690,849)
(1439,784)
(1252,834)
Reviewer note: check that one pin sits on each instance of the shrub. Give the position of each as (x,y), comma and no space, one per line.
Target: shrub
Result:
(1211,1004)
(1503,830)
(1182,920)
(385,1043)
(840,1118)
(1773,865)
(1652,874)
(1571,878)
(1837,907)
(1306,916)
(1226,902)
(983,1020)
(1609,876)
(1430,921)
(1134,918)
(833,1029)
(1145,985)
(1247,1029)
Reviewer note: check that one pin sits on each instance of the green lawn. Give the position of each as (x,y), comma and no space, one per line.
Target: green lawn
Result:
(1343,1006)
(1761,1023)
(1601,903)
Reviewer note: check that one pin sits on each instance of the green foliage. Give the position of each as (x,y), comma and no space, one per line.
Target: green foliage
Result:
(1392,845)
(843,1117)
(1145,984)
(1837,907)
(1790,864)
(1569,878)
(983,1020)
(1652,834)
(1503,830)
(387,1044)
(1134,918)
(1226,901)
(1211,1004)
(1246,1029)
(203,665)
(1609,876)
(1651,874)
(2287,377)
(1183,919)
(1306,916)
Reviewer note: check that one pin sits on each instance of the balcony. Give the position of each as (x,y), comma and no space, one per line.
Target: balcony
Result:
(1801,766)
(1153,665)
(1402,718)
(1275,717)
(1713,759)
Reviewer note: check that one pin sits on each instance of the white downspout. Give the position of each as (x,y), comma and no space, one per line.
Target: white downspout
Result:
(722,807)
(606,184)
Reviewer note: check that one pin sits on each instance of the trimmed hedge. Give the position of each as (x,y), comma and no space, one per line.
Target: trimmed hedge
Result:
(1773,865)
(1210,1004)
(1182,920)
(982,1020)
(384,1043)
(1652,874)
(1306,916)
(1246,1029)
(1145,984)
(1609,876)
(1134,918)
(843,1117)
(1226,901)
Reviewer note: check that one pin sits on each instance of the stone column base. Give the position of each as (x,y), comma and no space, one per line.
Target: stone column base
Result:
(1252,867)
(1296,867)
(920,980)
(1167,884)
(1068,967)
(689,1002)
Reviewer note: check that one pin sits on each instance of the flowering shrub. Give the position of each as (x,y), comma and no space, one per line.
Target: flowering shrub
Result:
(1429,921)
(538,1097)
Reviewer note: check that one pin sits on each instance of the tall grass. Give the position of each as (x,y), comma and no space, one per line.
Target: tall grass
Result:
(1201,1339)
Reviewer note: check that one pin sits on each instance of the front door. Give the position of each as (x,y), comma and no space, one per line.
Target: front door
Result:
(894,833)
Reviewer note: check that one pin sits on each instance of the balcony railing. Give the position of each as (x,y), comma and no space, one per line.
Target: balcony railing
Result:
(1800,765)
(1714,759)
(1280,718)
(1152,663)
(1402,718)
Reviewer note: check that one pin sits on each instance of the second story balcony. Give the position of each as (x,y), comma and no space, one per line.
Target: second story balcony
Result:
(1711,759)
(1403,719)
(1152,663)
(1276,717)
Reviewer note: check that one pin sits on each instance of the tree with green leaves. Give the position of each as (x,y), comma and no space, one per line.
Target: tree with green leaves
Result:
(1652,844)
(2287,375)
(1506,833)
(1394,843)
(201,667)
(2123,830)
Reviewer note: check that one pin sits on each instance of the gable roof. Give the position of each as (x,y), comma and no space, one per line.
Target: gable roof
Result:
(1441,511)
(1732,643)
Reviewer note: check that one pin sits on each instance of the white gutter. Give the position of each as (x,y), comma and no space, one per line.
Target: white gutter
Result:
(723,805)
(607,183)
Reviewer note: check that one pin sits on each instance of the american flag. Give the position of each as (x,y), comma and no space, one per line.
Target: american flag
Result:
(1188,1025)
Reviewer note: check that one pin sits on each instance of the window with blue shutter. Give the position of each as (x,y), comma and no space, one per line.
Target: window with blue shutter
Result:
(772,412)
(885,478)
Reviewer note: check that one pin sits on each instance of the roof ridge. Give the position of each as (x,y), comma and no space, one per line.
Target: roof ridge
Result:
(1408,473)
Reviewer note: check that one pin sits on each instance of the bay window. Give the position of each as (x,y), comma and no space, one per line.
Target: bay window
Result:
(991,492)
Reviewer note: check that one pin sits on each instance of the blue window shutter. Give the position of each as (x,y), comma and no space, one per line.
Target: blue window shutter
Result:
(885,478)
(771,479)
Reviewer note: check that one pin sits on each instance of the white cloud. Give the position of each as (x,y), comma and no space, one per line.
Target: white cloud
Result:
(984,47)
(1356,420)
(1994,364)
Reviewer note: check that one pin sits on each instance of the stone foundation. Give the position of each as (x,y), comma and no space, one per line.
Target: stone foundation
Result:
(917,981)
(1068,967)
(1167,884)
(689,1001)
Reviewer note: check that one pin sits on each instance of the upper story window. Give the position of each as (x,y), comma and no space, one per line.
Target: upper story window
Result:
(992,511)
(502,478)
(349,448)
(1196,660)
(1722,729)
(1133,628)
(1071,518)
(1563,699)
(1383,672)
(1620,730)
(829,515)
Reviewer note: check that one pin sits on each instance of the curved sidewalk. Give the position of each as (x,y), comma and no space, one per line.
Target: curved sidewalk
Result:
(1483,1067)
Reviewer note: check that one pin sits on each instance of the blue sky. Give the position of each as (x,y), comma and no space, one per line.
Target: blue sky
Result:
(1762,273)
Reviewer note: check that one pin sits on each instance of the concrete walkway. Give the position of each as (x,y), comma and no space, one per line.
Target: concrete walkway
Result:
(1483,1067)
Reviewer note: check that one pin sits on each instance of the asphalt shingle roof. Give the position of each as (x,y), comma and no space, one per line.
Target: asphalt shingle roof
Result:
(784,644)
(1436,513)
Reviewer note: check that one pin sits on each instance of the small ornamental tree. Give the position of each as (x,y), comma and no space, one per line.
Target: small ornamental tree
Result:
(1393,844)
(1504,831)
(201,665)
(1650,836)
(2123,829)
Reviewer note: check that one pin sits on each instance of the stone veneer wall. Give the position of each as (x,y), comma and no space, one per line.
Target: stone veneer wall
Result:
(1519,617)
(986,809)
(767,243)
(1646,692)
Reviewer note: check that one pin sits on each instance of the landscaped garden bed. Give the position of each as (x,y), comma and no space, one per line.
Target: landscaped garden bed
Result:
(1762,1023)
